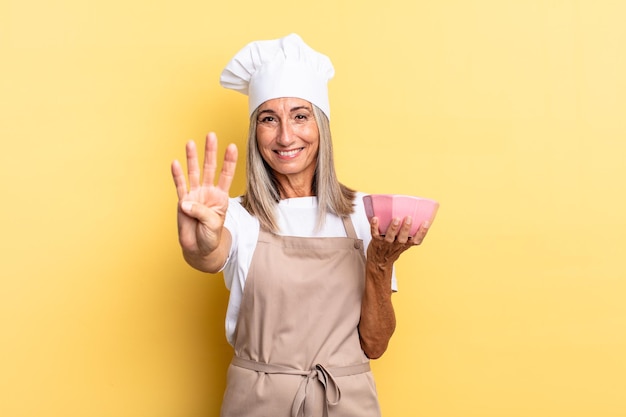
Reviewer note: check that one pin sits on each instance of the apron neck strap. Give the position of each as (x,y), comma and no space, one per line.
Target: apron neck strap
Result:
(347,224)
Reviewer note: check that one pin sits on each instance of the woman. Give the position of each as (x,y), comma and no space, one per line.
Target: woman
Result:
(308,306)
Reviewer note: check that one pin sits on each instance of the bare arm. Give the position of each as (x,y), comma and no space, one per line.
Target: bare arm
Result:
(378,320)
(202,206)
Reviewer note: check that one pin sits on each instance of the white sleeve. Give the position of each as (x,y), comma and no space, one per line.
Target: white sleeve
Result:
(244,231)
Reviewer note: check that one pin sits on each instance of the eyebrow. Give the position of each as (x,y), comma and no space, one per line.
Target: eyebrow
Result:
(266,111)
(293,109)
(301,108)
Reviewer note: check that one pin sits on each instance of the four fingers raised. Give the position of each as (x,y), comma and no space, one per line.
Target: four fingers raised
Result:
(209,167)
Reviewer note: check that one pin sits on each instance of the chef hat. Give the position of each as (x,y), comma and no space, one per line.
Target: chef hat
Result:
(285,67)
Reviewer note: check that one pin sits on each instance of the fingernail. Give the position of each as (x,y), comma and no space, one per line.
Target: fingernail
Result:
(396,221)
(408,220)
(187,205)
(426,224)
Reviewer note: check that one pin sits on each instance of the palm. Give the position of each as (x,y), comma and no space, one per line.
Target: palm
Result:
(200,230)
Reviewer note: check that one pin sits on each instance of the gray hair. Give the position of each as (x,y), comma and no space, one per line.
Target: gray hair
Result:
(263,191)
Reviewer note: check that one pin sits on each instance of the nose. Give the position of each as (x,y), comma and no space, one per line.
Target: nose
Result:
(285,134)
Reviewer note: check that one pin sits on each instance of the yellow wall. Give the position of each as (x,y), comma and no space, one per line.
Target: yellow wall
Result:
(510,113)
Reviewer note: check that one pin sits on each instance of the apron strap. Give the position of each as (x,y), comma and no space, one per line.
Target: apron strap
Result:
(325,376)
(347,224)
(351,232)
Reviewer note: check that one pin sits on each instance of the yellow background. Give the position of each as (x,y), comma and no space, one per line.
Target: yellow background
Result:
(510,113)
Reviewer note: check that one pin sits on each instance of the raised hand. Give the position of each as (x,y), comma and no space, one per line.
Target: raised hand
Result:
(202,206)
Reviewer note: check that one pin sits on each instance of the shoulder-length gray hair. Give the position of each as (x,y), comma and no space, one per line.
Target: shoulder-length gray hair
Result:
(263,191)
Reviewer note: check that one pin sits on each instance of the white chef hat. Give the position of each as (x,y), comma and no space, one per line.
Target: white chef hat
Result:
(285,67)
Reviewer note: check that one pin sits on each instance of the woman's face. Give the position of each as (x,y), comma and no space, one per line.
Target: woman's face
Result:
(288,138)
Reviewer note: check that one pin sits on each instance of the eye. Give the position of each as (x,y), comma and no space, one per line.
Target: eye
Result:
(301,117)
(266,119)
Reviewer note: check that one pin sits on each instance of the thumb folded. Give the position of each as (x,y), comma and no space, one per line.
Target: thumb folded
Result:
(194,209)
(187,206)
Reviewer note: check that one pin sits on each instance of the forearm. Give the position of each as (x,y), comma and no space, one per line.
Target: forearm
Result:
(378,320)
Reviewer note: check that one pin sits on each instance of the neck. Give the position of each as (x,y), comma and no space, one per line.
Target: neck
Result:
(290,187)
(294,192)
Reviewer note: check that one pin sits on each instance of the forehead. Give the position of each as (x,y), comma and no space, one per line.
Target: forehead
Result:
(285,104)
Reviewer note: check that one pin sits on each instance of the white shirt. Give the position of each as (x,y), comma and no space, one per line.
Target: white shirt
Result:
(296,217)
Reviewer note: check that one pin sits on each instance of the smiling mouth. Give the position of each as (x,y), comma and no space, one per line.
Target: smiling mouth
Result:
(289,153)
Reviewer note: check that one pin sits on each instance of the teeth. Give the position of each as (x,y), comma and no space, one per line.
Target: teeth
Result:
(289,153)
